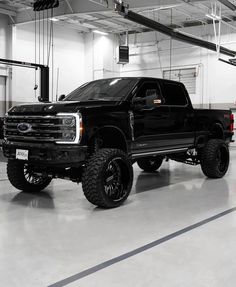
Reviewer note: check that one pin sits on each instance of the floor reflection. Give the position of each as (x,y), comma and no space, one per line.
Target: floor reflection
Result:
(42,200)
(148,181)
(2,158)
(171,180)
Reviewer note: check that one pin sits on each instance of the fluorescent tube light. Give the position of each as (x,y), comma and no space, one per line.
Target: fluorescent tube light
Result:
(54,19)
(160,8)
(100,32)
(213,17)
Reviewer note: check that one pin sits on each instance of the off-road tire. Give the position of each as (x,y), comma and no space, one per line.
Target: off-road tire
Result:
(16,176)
(93,179)
(215,158)
(150,164)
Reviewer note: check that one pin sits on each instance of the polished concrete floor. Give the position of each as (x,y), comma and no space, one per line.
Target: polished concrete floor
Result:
(47,238)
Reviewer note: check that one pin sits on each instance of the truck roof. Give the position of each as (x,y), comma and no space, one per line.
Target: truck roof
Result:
(141,78)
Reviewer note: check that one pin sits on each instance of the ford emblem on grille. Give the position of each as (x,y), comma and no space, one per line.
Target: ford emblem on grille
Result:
(24,128)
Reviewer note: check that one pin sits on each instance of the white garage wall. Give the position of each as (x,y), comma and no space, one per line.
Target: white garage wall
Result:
(86,57)
(5,37)
(68,57)
(5,52)
(100,56)
(215,80)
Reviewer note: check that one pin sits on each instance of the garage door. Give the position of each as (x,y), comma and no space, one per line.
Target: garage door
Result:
(187,76)
(2,96)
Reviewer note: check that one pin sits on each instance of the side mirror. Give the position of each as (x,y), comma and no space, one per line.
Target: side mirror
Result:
(61,98)
(152,101)
(42,100)
(149,102)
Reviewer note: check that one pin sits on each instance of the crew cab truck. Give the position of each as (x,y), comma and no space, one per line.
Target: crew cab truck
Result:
(96,133)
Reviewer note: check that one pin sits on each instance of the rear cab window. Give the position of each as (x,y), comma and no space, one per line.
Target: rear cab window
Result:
(174,94)
(148,89)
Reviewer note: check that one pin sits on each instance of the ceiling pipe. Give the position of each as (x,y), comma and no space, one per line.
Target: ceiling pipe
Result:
(124,11)
(228,4)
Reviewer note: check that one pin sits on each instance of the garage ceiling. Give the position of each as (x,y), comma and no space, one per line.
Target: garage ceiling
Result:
(87,15)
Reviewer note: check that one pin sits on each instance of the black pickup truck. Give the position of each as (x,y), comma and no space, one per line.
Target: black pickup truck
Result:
(98,131)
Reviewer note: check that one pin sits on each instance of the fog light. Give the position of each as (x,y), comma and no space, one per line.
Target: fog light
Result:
(68,136)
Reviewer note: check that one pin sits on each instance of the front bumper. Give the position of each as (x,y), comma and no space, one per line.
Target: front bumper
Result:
(47,154)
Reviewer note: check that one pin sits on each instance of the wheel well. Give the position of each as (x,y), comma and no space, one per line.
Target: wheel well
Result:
(217,131)
(109,137)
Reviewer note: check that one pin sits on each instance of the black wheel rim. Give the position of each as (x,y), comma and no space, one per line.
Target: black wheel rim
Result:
(31,177)
(222,158)
(116,179)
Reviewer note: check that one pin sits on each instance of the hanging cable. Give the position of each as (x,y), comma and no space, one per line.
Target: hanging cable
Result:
(39,37)
(35,54)
(58,71)
(52,54)
(49,42)
(219,39)
(157,44)
(43,38)
(171,44)
(47,35)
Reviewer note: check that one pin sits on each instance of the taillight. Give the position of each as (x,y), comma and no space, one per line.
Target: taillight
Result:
(232,122)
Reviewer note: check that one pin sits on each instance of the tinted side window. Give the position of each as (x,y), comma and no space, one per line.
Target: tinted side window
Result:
(174,94)
(149,89)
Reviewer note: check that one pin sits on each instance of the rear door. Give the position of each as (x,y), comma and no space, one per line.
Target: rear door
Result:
(181,114)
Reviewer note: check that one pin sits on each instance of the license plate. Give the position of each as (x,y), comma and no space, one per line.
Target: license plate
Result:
(22,154)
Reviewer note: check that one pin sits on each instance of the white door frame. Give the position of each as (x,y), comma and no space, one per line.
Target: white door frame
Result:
(5,72)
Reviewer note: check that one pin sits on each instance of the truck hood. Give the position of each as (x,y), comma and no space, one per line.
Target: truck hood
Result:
(60,107)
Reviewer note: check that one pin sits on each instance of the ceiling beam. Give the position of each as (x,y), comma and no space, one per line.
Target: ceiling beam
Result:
(6,10)
(228,4)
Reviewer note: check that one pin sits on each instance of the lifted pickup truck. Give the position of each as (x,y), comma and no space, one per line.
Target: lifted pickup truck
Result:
(99,130)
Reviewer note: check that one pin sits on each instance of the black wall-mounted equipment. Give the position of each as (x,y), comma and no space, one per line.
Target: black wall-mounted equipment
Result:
(44,76)
(123,55)
(40,5)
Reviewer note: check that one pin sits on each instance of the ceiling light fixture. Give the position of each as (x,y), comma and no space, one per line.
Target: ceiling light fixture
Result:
(213,17)
(100,32)
(161,8)
(54,19)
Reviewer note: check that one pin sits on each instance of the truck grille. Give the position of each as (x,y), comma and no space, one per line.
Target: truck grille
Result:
(40,128)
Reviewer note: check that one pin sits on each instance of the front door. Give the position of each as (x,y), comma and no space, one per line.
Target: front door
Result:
(151,119)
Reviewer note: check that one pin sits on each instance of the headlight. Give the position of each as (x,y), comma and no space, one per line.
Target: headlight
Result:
(70,121)
(70,128)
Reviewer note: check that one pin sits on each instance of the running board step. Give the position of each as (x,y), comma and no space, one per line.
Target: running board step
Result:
(144,154)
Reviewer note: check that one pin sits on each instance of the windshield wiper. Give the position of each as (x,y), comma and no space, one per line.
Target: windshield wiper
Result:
(100,99)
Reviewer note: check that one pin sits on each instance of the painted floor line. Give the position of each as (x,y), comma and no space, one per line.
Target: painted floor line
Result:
(141,249)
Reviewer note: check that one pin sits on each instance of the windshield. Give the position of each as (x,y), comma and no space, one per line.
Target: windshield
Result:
(103,90)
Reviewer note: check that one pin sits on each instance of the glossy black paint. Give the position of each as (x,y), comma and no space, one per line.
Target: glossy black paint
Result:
(1,128)
(159,127)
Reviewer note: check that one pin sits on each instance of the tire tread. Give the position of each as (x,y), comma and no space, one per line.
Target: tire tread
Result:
(208,159)
(15,173)
(91,181)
